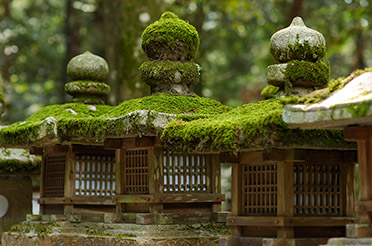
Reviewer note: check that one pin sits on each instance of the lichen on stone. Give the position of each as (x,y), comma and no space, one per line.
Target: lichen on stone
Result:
(170,38)
(88,66)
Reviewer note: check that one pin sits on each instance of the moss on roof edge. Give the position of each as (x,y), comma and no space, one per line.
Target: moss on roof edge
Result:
(251,126)
(77,122)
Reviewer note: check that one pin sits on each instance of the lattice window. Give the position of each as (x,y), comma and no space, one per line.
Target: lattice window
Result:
(54,177)
(185,173)
(136,171)
(94,175)
(260,189)
(317,190)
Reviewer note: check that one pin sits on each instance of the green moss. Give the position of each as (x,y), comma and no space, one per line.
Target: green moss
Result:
(308,74)
(153,72)
(184,107)
(300,50)
(321,94)
(257,125)
(41,229)
(83,87)
(269,91)
(358,110)
(11,166)
(28,131)
(176,36)
(88,123)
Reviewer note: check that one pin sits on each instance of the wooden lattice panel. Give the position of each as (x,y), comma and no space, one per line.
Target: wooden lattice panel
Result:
(136,171)
(54,176)
(185,173)
(317,190)
(94,175)
(260,189)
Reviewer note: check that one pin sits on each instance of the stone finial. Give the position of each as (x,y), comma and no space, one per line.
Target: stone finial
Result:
(297,42)
(88,72)
(170,44)
(300,51)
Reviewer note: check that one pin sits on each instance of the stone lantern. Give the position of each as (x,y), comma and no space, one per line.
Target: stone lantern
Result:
(300,51)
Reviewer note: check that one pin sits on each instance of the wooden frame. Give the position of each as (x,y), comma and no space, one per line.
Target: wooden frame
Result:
(90,169)
(314,189)
(156,180)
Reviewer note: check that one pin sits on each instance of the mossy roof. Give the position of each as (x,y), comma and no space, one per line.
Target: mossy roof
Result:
(81,123)
(185,123)
(18,161)
(251,126)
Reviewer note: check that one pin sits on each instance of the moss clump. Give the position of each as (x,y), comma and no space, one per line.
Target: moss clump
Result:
(12,166)
(156,72)
(170,38)
(321,94)
(358,110)
(28,131)
(185,107)
(307,74)
(81,87)
(269,91)
(257,125)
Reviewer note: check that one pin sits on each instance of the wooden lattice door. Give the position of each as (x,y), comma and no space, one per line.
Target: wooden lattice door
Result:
(135,171)
(54,175)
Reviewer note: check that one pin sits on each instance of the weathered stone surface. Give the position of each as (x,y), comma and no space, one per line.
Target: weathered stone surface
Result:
(64,233)
(297,42)
(88,66)
(77,88)
(276,74)
(349,241)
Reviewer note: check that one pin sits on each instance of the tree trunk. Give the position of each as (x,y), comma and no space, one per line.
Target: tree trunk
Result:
(297,9)
(360,46)
(122,31)
(5,87)
(113,40)
(72,43)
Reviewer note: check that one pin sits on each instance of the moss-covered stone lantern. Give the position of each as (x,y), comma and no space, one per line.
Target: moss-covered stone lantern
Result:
(289,186)
(159,184)
(170,44)
(300,51)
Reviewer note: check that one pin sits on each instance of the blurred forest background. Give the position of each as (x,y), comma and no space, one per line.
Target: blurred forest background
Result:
(38,37)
